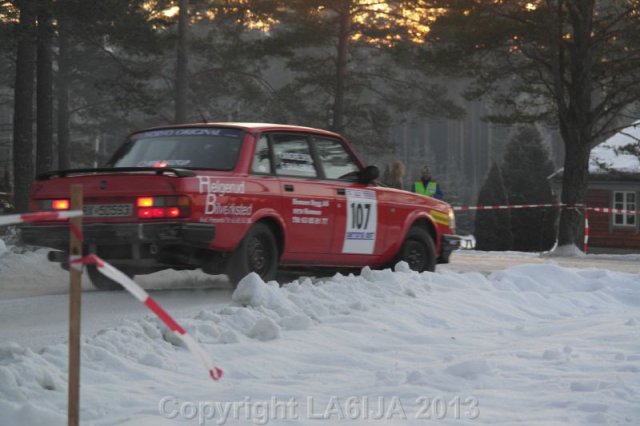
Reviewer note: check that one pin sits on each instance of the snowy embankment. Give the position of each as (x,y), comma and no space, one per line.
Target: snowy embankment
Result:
(532,344)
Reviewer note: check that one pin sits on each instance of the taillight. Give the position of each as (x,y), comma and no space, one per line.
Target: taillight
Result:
(144,202)
(60,204)
(163,207)
(48,205)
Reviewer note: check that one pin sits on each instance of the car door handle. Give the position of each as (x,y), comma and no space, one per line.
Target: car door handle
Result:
(288,188)
(340,191)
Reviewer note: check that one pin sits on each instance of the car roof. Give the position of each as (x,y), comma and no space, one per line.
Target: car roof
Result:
(256,127)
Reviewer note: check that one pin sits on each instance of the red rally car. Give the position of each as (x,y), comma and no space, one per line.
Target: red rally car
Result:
(237,198)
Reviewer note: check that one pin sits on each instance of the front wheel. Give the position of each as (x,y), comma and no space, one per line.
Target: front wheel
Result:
(418,250)
(258,252)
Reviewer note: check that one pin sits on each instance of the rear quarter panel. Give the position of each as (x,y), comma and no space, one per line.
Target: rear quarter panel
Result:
(232,203)
(235,200)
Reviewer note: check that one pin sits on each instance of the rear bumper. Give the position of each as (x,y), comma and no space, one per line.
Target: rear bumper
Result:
(198,235)
(449,243)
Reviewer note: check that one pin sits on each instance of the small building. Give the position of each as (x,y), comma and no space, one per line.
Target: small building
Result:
(614,183)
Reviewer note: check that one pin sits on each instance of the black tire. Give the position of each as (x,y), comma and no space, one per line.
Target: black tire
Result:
(258,252)
(102,282)
(418,250)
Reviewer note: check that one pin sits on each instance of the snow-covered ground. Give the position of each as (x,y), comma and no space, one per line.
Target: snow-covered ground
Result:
(489,339)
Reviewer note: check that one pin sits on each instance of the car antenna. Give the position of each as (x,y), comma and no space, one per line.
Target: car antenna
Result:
(204,119)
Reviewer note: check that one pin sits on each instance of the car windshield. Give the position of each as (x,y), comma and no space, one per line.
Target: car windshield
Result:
(192,148)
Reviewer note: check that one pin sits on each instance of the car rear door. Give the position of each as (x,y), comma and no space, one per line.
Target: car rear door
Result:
(307,201)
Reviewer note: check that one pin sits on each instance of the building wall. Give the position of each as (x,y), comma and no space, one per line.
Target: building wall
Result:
(603,232)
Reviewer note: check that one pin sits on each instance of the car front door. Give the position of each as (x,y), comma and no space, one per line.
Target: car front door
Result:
(358,231)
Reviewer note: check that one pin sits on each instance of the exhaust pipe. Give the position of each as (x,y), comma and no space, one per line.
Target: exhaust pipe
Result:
(57,256)
(60,257)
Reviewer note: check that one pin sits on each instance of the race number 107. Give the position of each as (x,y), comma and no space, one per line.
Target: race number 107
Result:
(360,215)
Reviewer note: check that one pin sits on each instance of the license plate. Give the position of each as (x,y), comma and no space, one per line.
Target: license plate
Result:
(107,210)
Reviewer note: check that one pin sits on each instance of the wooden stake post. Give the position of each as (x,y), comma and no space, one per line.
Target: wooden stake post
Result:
(75,270)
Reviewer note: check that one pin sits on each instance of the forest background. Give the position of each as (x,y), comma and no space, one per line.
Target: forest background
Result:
(445,83)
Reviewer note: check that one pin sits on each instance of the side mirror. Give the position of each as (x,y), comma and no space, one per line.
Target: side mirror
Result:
(368,174)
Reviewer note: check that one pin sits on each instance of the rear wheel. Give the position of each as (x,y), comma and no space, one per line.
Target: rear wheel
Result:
(418,250)
(258,252)
(102,282)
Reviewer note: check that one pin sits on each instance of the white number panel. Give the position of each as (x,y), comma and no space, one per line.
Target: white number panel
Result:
(362,221)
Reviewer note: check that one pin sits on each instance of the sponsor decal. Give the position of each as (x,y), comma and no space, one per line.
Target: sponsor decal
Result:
(309,211)
(209,185)
(231,133)
(164,163)
(215,189)
(296,161)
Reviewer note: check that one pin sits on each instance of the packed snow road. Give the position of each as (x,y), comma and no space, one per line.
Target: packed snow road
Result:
(29,274)
(33,291)
(39,321)
(486,262)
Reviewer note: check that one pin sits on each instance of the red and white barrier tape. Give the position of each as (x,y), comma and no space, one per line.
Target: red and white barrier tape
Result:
(12,219)
(511,206)
(526,206)
(139,293)
(612,211)
(576,206)
(585,247)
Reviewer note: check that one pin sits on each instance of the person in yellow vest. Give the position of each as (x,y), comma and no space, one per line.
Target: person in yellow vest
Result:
(426,186)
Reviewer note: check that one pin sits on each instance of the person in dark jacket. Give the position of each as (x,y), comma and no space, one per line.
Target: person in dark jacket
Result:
(427,186)
(396,175)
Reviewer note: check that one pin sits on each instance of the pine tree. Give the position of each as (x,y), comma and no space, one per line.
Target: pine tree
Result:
(526,167)
(44,88)
(25,70)
(105,57)
(5,183)
(353,68)
(493,227)
(569,63)
(182,64)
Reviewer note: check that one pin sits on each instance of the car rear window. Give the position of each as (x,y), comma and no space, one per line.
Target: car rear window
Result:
(192,148)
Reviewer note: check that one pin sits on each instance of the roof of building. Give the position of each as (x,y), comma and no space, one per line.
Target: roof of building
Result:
(607,162)
(607,158)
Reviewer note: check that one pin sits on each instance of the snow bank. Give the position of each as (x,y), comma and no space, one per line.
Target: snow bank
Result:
(569,250)
(532,344)
(28,272)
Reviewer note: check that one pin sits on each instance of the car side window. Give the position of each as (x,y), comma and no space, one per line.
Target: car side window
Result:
(293,156)
(334,158)
(261,158)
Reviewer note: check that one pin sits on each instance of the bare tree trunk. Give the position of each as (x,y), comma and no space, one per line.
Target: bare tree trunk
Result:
(182,64)
(576,123)
(341,68)
(574,191)
(44,97)
(23,107)
(64,75)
